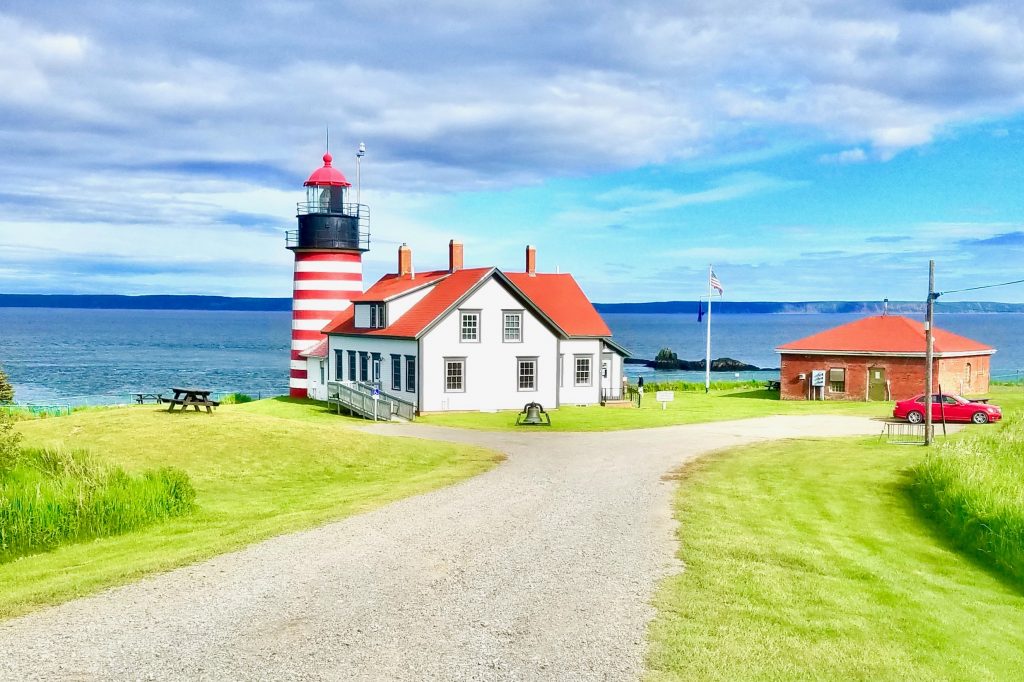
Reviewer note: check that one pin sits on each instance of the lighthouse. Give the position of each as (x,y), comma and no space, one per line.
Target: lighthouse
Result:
(329,243)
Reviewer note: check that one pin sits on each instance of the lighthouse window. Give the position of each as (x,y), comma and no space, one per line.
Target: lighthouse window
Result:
(470,326)
(513,327)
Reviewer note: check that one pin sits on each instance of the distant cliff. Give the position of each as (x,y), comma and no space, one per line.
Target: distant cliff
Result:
(783,307)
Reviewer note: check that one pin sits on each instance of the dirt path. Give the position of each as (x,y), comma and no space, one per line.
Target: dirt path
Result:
(539,569)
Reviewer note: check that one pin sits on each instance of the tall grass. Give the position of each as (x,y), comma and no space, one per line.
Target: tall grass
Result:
(974,489)
(53,496)
(698,386)
(236,398)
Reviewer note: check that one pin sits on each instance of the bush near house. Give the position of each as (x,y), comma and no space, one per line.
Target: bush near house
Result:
(971,488)
(236,399)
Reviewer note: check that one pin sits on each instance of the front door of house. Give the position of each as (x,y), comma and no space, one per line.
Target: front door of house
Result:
(876,384)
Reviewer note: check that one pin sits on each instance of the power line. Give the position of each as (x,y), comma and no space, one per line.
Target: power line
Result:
(986,286)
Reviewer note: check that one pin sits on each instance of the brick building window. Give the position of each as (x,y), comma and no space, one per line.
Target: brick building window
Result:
(967,374)
(837,380)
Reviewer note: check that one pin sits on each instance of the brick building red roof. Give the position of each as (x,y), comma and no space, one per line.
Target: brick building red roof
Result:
(884,334)
(557,296)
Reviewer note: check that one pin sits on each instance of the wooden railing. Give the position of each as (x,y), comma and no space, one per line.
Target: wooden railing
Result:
(357,397)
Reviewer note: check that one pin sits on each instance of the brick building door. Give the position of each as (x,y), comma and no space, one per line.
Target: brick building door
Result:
(876,384)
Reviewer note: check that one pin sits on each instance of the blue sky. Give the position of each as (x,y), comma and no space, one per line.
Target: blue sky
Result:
(809,150)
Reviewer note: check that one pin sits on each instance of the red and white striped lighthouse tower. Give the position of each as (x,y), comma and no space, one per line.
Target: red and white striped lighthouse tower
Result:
(328,247)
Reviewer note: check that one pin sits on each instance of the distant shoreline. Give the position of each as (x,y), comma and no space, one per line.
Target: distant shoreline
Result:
(226,303)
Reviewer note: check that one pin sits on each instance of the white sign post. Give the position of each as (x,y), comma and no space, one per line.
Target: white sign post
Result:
(818,381)
(376,401)
(664,397)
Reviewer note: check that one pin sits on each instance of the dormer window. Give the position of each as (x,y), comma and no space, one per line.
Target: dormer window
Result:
(378,318)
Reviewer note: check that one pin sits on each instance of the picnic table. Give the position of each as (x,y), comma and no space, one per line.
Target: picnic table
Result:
(191,397)
(773,385)
(141,398)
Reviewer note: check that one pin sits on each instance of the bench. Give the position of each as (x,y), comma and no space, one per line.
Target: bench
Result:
(773,385)
(191,397)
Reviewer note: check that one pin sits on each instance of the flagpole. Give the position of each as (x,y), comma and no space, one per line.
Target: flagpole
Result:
(707,356)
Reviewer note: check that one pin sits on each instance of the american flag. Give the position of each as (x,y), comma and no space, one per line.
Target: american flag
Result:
(715,283)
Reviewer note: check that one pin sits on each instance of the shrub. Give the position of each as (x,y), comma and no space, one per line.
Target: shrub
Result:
(972,489)
(233,398)
(10,440)
(55,496)
(6,389)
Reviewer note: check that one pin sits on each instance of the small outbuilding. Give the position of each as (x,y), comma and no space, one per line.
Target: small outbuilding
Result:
(880,358)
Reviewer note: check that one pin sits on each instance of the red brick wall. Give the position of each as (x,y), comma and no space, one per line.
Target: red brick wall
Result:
(905,375)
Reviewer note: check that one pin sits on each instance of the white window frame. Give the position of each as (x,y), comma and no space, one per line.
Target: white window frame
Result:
(576,370)
(520,363)
(830,382)
(517,315)
(461,364)
(463,316)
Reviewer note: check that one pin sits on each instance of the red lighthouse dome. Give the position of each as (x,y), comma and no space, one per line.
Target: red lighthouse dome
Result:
(327,175)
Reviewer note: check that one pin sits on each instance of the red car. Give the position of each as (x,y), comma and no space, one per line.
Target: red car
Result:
(952,408)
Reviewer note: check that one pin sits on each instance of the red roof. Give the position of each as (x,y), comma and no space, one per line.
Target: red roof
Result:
(327,175)
(557,296)
(442,296)
(884,334)
(392,285)
(318,350)
(561,299)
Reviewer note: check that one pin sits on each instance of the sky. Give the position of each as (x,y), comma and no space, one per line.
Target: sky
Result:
(809,150)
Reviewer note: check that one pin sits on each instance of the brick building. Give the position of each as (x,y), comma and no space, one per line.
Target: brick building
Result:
(881,358)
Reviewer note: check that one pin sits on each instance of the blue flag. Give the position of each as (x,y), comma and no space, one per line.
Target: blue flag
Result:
(700,311)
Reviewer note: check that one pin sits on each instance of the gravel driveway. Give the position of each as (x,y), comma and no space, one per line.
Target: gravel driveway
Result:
(541,568)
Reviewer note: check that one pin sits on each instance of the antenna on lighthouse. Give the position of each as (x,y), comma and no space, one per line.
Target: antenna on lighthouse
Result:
(360,153)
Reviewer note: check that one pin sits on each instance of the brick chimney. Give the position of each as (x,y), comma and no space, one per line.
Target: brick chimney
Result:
(531,261)
(454,256)
(405,261)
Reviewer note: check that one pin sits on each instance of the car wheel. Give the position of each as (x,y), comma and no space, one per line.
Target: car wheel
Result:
(979,418)
(915,417)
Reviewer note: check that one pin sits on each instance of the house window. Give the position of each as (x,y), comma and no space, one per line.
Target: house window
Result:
(582,370)
(561,369)
(469,323)
(396,372)
(364,359)
(454,375)
(377,317)
(513,326)
(410,373)
(967,374)
(527,374)
(837,380)
(376,367)
(351,365)
(339,365)
(323,379)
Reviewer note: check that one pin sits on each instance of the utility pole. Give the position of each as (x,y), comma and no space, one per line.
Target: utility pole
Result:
(929,318)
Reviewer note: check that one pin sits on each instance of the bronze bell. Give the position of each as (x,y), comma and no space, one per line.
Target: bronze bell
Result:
(533,414)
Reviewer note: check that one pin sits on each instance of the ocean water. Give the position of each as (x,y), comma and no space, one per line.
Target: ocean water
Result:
(102,356)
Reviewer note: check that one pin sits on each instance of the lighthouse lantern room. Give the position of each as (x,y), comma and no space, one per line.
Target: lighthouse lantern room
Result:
(329,243)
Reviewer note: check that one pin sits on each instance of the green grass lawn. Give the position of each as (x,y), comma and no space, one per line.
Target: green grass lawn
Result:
(687,408)
(259,469)
(809,559)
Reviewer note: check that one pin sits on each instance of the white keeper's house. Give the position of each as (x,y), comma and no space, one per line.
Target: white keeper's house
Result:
(470,339)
